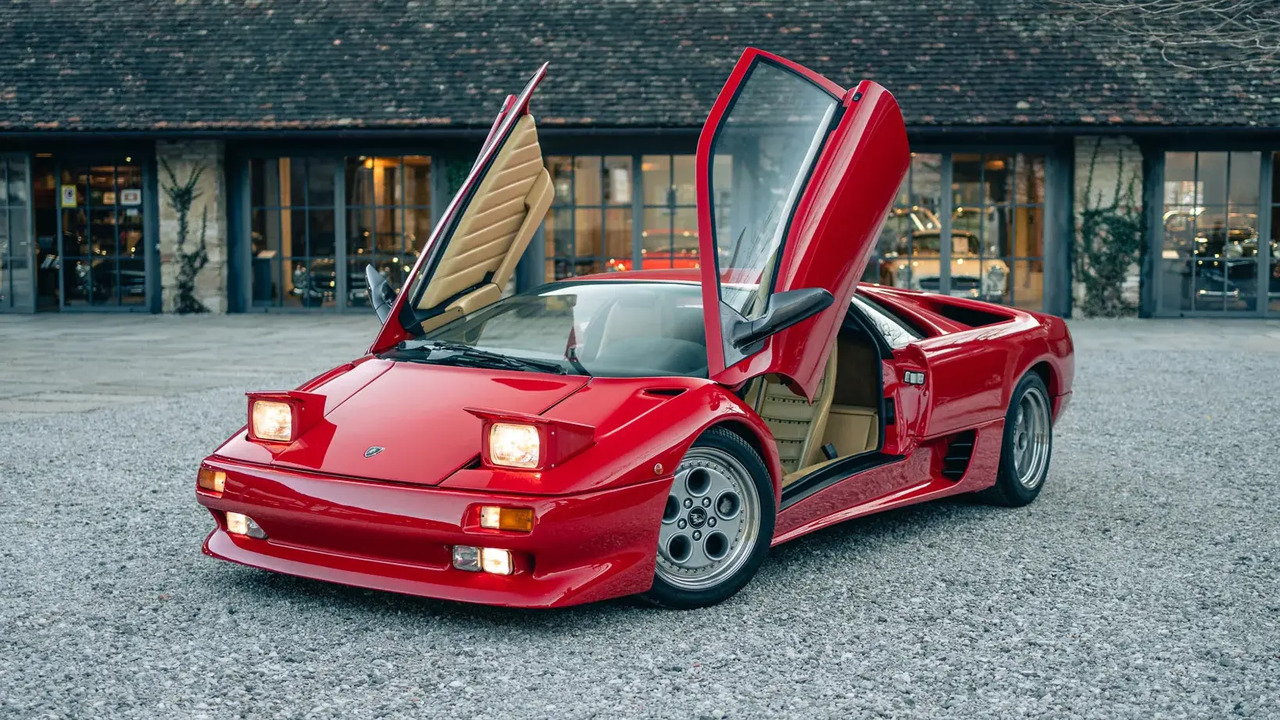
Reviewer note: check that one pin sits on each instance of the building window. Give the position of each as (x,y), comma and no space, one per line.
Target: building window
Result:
(103,253)
(588,227)
(998,227)
(15,237)
(669,228)
(388,218)
(1210,260)
(292,232)
(995,214)
(908,251)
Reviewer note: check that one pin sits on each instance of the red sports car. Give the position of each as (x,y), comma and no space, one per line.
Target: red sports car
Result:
(646,432)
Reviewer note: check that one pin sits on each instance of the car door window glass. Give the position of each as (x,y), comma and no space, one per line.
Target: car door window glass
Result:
(761,155)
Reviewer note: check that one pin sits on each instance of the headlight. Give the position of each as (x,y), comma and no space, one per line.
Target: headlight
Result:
(514,445)
(272,420)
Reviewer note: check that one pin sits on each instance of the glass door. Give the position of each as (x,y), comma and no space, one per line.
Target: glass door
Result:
(103,255)
(17,264)
(388,206)
(1210,260)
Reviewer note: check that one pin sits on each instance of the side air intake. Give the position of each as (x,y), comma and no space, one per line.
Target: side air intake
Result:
(959,452)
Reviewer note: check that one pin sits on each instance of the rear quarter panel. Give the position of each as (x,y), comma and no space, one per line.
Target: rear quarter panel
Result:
(973,370)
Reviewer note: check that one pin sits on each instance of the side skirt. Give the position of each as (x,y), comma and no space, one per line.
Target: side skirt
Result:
(829,475)
(884,484)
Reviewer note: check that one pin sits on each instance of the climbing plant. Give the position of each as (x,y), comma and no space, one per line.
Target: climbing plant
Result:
(1112,238)
(182,195)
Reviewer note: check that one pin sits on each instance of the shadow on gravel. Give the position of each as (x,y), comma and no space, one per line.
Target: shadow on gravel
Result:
(303,594)
(864,535)
(854,541)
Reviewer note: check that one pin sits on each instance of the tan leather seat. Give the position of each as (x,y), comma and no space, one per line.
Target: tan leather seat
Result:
(629,321)
(494,230)
(797,426)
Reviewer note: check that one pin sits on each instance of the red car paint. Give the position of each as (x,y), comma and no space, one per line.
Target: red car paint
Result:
(387,520)
(833,227)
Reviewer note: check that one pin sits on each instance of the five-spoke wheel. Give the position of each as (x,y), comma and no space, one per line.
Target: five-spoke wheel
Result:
(1028,444)
(716,525)
(710,522)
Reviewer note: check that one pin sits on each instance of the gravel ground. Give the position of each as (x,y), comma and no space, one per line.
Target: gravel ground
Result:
(1142,583)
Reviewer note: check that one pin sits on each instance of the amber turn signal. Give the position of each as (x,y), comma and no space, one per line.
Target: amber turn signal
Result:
(505,518)
(211,480)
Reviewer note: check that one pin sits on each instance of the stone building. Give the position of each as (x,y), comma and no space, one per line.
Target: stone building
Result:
(317,138)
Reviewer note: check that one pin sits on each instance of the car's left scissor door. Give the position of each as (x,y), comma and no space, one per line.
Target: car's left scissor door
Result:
(795,175)
(473,249)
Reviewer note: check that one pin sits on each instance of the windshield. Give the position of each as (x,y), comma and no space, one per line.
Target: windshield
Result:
(761,155)
(607,329)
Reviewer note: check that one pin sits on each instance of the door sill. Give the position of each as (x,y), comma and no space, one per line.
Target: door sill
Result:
(828,475)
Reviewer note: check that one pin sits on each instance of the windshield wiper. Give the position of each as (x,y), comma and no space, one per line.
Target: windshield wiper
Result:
(488,358)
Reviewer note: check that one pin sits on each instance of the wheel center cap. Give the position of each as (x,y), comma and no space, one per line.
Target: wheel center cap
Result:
(697,517)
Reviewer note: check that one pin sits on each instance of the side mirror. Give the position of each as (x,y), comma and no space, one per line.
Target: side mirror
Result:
(380,293)
(783,310)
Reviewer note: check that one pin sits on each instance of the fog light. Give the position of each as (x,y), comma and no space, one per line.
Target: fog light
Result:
(211,480)
(238,524)
(466,558)
(474,559)
(496,561)
(504,518)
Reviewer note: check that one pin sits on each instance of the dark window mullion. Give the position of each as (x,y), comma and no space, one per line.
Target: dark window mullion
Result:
(573,215)
(115,214)
(671,211)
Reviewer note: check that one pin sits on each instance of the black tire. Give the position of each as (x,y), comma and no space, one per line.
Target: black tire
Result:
(738,565)
(1020,477)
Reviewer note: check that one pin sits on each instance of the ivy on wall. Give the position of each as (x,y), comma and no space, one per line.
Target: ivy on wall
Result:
(1112,238)
(182,195)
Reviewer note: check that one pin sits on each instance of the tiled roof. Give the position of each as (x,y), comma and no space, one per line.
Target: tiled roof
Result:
(153,65)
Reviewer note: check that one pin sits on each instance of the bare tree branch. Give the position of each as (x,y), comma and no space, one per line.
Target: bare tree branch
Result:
(1192,35)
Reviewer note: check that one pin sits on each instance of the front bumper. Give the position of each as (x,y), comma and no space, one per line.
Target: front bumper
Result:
(399,538)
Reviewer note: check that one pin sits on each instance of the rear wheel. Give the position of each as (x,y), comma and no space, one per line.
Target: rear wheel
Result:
(1028,445)
(717,524)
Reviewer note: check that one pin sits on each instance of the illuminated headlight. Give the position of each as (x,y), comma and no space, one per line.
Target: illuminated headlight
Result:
(993,281)
(495,561)
(272,420)
(514,445)
(238,524)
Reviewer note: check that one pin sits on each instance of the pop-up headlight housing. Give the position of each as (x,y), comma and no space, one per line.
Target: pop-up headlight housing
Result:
(282,417)
(529,442)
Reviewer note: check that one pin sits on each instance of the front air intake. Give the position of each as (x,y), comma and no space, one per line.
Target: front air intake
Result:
(959,452)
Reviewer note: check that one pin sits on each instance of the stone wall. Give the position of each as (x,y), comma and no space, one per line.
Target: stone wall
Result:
(1117,159)
(207,216)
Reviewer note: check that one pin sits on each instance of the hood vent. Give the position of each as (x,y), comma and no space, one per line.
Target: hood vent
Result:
(959,452)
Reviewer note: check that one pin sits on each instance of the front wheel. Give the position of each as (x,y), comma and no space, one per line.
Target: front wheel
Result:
(1028,444)
(717,524)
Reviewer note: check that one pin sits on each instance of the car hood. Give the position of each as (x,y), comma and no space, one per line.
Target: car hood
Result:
(416,413)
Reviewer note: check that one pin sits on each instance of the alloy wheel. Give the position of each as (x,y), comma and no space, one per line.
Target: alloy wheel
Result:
(711,520)
(1032,425)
